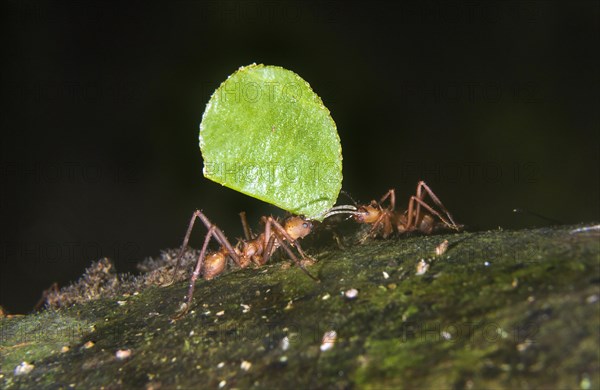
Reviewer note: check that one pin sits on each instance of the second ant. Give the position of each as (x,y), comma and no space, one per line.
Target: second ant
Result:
(419,216)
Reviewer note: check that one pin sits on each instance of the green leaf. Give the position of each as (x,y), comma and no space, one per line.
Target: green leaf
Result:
(266,134)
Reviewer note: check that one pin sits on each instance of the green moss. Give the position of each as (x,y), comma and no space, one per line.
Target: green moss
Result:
(500,309)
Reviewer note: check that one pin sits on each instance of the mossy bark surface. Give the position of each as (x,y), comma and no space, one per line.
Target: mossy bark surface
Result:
(499,309)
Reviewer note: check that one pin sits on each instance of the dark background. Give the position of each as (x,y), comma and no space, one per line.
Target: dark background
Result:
(495,105)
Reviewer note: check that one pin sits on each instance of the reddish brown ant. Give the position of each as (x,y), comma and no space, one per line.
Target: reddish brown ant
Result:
(253,249)
(386,220)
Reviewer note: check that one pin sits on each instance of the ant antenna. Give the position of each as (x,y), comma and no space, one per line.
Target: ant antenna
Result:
(349,196)
(341,209)
(540,216)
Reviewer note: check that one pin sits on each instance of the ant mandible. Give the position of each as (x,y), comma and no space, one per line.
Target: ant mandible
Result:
(251,250)
(386,220)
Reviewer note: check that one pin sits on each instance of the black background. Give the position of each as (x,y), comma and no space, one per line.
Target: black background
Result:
(495,105)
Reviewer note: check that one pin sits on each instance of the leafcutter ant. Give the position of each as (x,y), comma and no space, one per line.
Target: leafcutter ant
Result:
(386,220)
(254,249)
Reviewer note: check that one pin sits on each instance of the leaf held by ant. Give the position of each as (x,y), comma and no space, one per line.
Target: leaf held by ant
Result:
(265,133)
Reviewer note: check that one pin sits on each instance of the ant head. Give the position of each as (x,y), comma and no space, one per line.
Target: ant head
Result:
(297,227)
(367,214)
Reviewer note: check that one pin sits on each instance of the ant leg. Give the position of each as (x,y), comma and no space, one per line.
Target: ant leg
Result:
(220,237)
(420,202)
(281,230)
(437,201)
(392,195)
(268,250)
(373,229)
(188,302)
(419,199)
(420,195)
(247,232)
(183,246)
(409,212)
(218,234)
(295,259)
(268,241)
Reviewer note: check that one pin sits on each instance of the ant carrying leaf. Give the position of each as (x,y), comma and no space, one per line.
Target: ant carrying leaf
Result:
(254,249)
(267,134)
